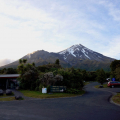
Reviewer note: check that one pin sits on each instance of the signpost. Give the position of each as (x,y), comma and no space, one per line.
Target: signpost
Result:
(57,89)
(113,79)
(44,90)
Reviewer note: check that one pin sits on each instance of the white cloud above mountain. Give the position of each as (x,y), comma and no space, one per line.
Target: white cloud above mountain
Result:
(27,26)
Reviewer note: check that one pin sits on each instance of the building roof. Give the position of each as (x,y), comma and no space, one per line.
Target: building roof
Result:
(9,76)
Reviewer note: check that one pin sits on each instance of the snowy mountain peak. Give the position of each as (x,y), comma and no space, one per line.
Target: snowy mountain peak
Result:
(81,52)
(77,50)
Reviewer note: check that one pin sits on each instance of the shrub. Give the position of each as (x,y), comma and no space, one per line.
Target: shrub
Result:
(48,88)
(73,91)
(40,87)
(37,89)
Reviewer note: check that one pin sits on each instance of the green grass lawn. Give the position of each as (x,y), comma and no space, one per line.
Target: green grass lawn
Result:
(7,98)
(37,94)
(104,86)
(116,98)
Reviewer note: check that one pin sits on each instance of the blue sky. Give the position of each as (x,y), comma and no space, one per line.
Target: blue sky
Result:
(54,25)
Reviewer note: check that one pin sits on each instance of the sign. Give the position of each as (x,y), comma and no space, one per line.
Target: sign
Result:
(57,89)
(44,90)
(113,79)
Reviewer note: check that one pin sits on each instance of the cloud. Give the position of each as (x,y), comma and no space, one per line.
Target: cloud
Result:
(113,48)
(113,9)
(27,26)
(5,61)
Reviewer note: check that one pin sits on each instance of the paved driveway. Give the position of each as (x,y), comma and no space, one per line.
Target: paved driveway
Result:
(94,105)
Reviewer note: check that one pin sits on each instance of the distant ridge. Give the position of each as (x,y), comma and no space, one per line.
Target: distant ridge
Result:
(77,56)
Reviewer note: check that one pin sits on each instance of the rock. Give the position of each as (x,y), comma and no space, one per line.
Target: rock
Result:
(18,97)
(101,86)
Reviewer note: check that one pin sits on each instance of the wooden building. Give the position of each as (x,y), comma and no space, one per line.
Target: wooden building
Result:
(8,81)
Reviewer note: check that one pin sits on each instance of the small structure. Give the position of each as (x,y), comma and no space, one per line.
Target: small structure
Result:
(57,89)
(8,81)
(44,90)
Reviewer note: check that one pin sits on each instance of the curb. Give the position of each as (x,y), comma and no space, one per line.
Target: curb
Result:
(110,99)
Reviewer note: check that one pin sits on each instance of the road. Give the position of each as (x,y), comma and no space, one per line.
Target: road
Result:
(94,105)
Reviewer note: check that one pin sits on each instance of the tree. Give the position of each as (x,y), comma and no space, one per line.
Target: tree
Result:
(101,76)
(28,76)
(114,64)
(21,69)
(117,73)
(24,61)
(57,62)
(72,78)
(11,71)
(115,68)
(20,61)
(33,64)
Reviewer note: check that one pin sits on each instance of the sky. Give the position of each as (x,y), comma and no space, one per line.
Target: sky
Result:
(54,25)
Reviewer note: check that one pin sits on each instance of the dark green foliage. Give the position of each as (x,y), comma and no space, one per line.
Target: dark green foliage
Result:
(28,76)
(48,67)
(85,75)
(92,65)
(101,76)
(108,74)
(115,69)
(24,61)
(72,78)
(48,88)
(92,76)
(51,74)
(8,71)
(34,78)
(117,73)
(57,62)
(20,61)
(33,64)
(114,64)
(73,91)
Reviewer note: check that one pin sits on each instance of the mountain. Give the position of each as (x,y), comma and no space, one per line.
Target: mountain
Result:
(82,53)
(77,56)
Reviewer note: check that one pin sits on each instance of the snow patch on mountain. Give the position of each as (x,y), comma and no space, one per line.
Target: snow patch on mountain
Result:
(80,52)
(69,50)
(75,51)
(83,51)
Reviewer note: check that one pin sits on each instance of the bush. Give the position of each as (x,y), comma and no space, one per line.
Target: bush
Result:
(48,88)
(37,89)
(72,91)
(40,87)
(72,78)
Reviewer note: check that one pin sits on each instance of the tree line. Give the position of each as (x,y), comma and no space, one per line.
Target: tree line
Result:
(34,78)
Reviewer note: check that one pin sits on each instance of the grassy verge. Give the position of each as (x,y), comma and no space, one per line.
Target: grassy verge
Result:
(104,86)
(7,99)
(4,95)
(86,83)
(116,98)
(37,94)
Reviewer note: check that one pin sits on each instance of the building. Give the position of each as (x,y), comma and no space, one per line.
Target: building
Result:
(8,81)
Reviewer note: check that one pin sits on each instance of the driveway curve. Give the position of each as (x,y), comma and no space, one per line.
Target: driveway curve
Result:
(93,105)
